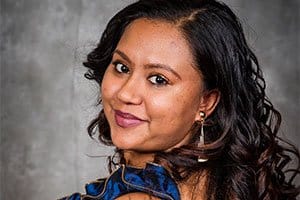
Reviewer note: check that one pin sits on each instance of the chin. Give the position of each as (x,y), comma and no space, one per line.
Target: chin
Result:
(128,139)
(123,144)
(130,146)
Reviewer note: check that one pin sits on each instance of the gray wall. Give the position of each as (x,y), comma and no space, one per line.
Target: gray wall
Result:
(46,103)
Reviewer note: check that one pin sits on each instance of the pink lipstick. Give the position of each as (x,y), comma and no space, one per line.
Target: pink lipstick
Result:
(127,120)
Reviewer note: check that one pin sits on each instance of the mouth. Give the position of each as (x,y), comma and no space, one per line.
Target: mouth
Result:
(126,120)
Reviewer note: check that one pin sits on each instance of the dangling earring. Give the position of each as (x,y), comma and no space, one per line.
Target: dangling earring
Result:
(201,137)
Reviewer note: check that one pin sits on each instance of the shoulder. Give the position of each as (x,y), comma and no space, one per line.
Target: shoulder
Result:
(132,183)
(137,196)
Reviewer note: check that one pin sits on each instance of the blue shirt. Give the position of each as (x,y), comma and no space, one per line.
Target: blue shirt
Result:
(153,180)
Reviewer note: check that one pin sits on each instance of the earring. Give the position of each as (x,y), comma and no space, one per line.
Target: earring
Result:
(201,137)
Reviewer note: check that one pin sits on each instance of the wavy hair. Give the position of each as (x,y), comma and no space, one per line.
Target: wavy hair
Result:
(246,158)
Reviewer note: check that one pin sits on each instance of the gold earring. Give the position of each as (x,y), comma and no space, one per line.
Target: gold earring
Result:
(201,137)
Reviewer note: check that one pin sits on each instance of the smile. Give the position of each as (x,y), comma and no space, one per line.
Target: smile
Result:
(126,120)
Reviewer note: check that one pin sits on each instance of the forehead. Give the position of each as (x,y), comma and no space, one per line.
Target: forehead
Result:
(156,41)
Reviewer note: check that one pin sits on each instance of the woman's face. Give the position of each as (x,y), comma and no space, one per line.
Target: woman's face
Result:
(151,93)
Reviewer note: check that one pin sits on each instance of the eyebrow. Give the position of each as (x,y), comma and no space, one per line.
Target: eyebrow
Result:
(150,65)
(123,55)
(162,66)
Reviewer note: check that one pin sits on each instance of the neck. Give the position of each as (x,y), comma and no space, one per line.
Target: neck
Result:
(138,159)
(194,187)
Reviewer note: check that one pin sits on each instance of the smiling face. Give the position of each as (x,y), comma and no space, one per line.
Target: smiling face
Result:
(151,93)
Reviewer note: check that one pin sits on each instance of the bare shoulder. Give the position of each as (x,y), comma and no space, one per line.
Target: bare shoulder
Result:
(137,196)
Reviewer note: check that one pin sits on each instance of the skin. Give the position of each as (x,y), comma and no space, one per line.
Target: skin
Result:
(137,195)
(167,98)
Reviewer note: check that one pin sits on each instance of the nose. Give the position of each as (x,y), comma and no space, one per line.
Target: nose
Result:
(130,91)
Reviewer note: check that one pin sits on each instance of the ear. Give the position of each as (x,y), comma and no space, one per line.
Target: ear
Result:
(208,103)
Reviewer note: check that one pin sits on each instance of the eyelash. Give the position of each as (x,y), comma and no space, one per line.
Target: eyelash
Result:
(121,68)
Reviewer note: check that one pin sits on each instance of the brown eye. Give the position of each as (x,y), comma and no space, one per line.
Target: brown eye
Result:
(158,80)
(119,67)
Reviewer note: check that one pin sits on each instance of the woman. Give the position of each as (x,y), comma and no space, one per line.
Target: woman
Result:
(184,104)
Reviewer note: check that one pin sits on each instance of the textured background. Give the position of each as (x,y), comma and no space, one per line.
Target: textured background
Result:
(46,103)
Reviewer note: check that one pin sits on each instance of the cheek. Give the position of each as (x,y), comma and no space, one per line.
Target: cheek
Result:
(175,106)
(109,86)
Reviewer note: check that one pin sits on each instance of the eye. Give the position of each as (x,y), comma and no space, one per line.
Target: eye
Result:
(119,67)
(158,80)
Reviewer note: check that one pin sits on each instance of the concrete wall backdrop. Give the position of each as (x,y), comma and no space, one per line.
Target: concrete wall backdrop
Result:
(46,103)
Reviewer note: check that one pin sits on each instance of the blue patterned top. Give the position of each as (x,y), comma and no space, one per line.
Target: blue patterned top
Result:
(154,180)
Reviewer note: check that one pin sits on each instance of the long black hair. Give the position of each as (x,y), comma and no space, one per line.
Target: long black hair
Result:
(246,158)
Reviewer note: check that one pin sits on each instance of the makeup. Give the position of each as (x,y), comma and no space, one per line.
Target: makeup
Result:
(126,120)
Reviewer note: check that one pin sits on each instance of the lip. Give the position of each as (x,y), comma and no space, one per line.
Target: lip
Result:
(126,120)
